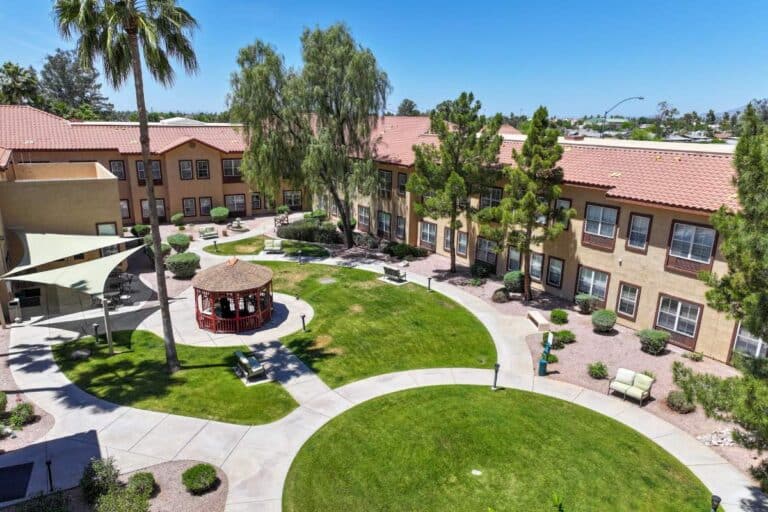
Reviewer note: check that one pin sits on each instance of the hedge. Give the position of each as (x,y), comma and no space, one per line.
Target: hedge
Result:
(310,231)
(514,281)
(99,478)
(199,478)
(179,242)
(586,302)
(481,269)
(140,230)
(653,341)
(178,219)
(558,316)
(400,251)
(183,265)
(219,214)
(603,320)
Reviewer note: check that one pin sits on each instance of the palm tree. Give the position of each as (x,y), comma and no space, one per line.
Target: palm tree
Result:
(18,86)
(120,33)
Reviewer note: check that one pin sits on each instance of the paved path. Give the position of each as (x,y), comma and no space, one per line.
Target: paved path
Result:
(256,459)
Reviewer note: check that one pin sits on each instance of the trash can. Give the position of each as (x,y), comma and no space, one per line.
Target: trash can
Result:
(542,367)
(14,310)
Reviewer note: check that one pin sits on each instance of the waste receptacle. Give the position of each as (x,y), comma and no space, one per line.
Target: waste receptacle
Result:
(14,310)
(542,367)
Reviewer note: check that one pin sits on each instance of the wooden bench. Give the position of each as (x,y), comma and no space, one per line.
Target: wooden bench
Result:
(208,233)
(249,366)
(394,273)
(539,320)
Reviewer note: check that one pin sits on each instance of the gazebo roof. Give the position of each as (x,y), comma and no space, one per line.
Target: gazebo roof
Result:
(233,275)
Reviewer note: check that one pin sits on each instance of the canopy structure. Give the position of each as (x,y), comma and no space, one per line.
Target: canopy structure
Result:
(88,277)
(42,248)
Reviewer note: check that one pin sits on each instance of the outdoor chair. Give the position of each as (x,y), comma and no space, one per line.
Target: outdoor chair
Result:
(631,384)
(272,246)
(249,366)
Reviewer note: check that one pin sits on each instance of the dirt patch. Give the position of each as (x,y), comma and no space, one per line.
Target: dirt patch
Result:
(291,278)
(248,248)
(356,308)
(326,280)
(323,342)
(366,285)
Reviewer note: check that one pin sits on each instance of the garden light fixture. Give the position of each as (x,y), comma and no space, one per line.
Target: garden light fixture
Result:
(495,376)
(303,323)
(716,502)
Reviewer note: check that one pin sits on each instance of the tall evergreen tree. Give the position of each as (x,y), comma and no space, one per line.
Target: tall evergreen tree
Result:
(70,88)
(711,118)
(329,151)
(446,176)
(19,86)
(527,215)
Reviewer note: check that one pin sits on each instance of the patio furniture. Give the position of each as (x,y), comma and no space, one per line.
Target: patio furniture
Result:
(272,246)
(208,233)
(248,365)
(631,384)
(393,273)
(281,220)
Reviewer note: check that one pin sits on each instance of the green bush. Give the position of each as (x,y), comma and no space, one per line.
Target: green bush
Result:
(649,373)
(165,250)
(597,370)
(122,500)
(352,223)
(179,242)
(183,265)
(282,209)
(99,478)
(565,336)
(603,320)
(147,239)
(760,473)
(365,240)
(586,302)
(678,402)
(558,316)
(3,401)
(319,215)
(178,219)
(220,214)
(20,415)
(55,502)
(401,251)
(653,341)
(199,478)
(310,231)
(481,269)
(142,483)
(514,281)
(140,230)
(696,357)
(552,358)
(501,295)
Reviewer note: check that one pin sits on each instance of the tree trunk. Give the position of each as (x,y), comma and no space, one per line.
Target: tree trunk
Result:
(453,237)
(171,358)
(344,214)
(526,254)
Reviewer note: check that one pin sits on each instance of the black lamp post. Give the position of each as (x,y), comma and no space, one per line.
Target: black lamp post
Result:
(716,502)
(605,114)
(96,332)
(429,284)
(495,376)
(215,246)
(303,323)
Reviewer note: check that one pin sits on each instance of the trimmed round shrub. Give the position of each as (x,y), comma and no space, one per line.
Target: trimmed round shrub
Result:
(183,265)
(552,358)
(352,223)
(514,281)
(678,402)
(597,370)
(178,219)
(282,209)
(199,478)
(565,336)
(653,341)
(20,415)
(310,231)
(586,302)
(603,320)
(558,316)
(99,478)
(140,230)
(319,215)
(179,242)
(481,269)
(557,344)
(122,500)
(142,483)
(3,401)
(165,250)
(402,251)
(148,240)
(220,214)
(501,295)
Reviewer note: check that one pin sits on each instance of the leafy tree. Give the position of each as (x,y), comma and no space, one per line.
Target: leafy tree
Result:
(527,214)
(665,117)
(119,33)
(725,122)
(330,151)
(710,117)
(641,134)
(408,108)
(72,90)
(447,175)
(19,86)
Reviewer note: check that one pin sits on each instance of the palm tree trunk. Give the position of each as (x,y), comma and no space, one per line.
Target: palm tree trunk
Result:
(171,358)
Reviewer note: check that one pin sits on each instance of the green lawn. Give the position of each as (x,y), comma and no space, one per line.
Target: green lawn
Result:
(205,387)
(255,244)
(416,450)
(364,327)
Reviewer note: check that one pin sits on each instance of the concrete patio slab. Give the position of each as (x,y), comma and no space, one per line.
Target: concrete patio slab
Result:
(130,428)
(169,437)
(213,443)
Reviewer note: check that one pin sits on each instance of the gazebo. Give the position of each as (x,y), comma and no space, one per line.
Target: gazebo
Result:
(233,296)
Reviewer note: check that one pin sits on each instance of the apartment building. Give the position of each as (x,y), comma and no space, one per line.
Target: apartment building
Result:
(641,234)
(194,166)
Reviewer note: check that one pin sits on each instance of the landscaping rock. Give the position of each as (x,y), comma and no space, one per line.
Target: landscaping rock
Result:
(80,354)
(722,437)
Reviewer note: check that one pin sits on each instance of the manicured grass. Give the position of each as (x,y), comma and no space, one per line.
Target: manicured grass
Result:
(205,387)
(364,327)
(255,244)
(416,450)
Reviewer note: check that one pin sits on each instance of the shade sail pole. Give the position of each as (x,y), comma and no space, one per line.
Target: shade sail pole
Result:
(107,325)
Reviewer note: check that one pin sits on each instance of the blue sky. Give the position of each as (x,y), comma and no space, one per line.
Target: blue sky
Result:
(573,57)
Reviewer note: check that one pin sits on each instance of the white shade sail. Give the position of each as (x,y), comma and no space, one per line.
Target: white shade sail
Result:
(88,277)
(42,248)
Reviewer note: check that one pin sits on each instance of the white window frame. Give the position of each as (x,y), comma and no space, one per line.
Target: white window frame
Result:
(677,305)
(125,208)
(234,200)
(510,253)
(593,274)
(292,199)
(622,300)
(486,251)
(761,347)
(255,201)
(205,202)
(632,218)
(184,204)
(462,240)
(537,266)
(687,253)
(400,228)
(383,229)
(564,204)
(230,167)
(560,262)
(491,196)
(120,174)
(430,230)
(601,220)
(447,238)
(198,168)
(159,202)
(364,216)
(186,170)
(385,184)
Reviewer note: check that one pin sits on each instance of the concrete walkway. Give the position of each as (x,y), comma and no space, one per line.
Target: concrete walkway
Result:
(256,459)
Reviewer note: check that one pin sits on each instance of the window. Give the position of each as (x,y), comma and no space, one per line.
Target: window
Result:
(292,199)
(428,235)
(486,251)
(601,220)
(230,169)
(462,242)
(125,209)
(189,206)
(562,205)
(491,197)
(235,203)
(205,206)
(106,229)
(628,298)
(160,203)
(117,167)
(513,259)
(402,179)
(555,272)
(255,201)
(203,168)
(678,316)
(692,242)
(592,282)
(383,224)
(639,231)
(385,184)
(157,173)
(400,228)
(446,238)
(185,169)
(537,266)
(748,344)
(364,216)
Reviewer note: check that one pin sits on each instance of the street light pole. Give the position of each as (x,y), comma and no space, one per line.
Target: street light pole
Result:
(605,114)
